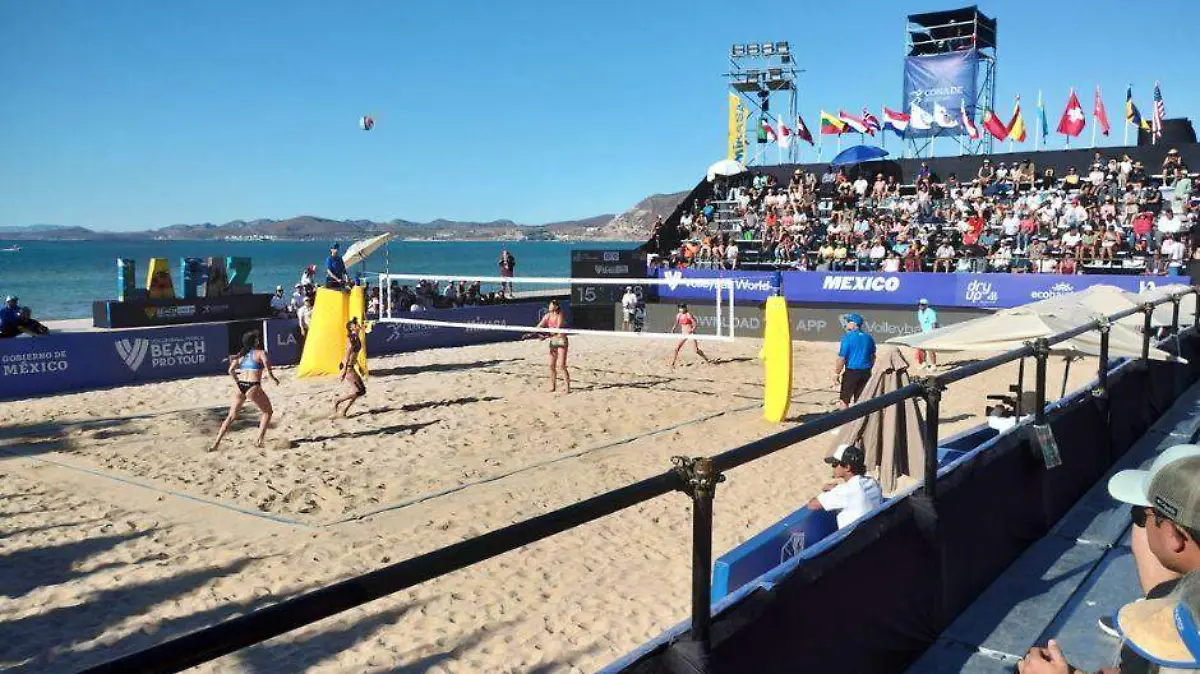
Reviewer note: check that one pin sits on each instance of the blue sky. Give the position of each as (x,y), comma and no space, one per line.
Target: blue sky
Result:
(129,114)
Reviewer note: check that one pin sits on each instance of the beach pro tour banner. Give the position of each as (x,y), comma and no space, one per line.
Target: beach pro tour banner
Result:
(284,347)
(80,361)
(946,80)
(980,291)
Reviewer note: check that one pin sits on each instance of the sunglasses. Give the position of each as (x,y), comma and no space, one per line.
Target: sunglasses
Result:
(1139,514)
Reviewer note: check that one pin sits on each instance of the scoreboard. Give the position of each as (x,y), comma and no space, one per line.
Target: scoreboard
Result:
(593,304)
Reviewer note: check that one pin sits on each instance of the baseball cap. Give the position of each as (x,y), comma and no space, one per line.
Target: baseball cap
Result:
(1133,486)
(855,319)
(11,298)
(923,301)
(849,455)
(335,245)
(1164,630)
(1175,492)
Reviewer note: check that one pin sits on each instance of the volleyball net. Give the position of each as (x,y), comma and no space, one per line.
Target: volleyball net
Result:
(413,299)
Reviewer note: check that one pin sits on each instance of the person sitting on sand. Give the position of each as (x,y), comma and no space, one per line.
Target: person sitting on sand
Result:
(852,494)
(686,322)
(558,345)
(247,367)
(349,368)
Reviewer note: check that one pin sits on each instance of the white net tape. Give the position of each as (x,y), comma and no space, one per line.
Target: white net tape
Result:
(722,298)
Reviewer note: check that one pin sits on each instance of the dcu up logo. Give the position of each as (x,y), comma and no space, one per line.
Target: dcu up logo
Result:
(132,352)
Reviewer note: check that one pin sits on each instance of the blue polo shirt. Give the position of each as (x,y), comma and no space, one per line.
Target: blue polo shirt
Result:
(10,318)
(336,265)
(858,348)
(927,318)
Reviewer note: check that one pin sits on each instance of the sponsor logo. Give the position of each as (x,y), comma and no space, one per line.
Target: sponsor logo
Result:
(811,325)
(981,292)
(285,338)
(612,256)
(874,284)
(919,95)
(161,352)
(166,313)
(133,352)
(740,323)
(889,328)
(612,269)
(1060,288)
(38,362)
(675,279)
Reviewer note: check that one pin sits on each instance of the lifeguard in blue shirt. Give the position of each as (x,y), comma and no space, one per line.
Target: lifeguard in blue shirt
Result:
(335,269)
(928,319)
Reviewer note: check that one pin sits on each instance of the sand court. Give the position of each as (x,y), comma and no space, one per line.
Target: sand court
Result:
(121,529)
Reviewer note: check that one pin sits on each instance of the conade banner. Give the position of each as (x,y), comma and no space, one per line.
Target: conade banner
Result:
(979,291)
(940,79)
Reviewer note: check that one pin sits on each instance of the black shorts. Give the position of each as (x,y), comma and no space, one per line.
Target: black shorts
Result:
(853,383)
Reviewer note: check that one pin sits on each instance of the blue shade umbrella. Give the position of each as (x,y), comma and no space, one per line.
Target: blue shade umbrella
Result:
(858,154)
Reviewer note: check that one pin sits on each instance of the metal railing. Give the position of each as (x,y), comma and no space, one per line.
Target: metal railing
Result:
(696,477)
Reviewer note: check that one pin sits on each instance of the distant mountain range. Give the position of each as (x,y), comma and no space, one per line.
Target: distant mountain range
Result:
(633,224)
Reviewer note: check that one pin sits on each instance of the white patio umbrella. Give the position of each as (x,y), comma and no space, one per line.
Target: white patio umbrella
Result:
(361,250)
(1106,300)
(725,167)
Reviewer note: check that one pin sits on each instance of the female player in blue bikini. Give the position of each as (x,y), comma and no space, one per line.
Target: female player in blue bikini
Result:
(246,368)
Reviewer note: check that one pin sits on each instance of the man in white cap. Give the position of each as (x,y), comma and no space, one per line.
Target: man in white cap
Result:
(279,303)
(629,302)
(1166,504)
(1166,631)
(928,320)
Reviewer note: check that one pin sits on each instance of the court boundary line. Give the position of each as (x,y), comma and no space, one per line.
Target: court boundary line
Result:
(416,500)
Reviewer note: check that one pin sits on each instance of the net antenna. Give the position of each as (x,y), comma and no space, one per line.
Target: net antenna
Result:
(722,289)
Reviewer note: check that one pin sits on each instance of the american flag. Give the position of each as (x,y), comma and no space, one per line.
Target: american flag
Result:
(1160,111)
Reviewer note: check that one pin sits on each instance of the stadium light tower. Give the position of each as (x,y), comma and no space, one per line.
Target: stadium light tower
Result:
(950,59)
(763,76)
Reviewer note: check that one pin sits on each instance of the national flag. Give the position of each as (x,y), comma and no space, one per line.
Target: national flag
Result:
(765,132)
(1016,126)
(1099,115)
(1160,113)
(785,134)
(871,121)
(802,130)
(942,116)
(832,126)
(919,118)
(1132,115)
(896,121)
(994,126)
(1072,121)
(967,122)
(853,122)
(1042,116)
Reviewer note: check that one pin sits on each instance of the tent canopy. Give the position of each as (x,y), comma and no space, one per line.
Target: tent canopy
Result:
(858,154)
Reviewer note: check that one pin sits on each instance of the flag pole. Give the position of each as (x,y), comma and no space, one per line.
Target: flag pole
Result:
(1037,143)
(1093,123)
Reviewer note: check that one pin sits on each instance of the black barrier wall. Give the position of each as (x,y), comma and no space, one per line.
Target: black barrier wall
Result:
(814,323)
(875,602)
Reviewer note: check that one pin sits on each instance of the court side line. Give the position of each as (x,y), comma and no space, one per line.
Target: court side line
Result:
(160,490)
(541,464)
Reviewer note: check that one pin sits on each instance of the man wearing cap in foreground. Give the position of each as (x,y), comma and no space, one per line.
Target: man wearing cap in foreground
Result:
(1166,503)
(10,317)
(335,269)
(856,357)
(927,318)
(852,494)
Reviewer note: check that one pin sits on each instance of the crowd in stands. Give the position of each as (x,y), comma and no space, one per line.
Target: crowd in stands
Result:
(1115,216)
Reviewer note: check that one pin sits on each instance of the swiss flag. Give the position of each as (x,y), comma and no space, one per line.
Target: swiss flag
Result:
(1072,121)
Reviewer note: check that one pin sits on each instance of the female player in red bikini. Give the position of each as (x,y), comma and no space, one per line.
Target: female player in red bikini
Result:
(558,345)
(246,368)
(686,323)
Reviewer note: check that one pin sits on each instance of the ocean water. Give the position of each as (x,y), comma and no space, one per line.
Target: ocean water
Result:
(61,279)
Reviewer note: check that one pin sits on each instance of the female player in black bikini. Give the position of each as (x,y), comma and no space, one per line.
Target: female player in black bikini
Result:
(558,345)
(246,368)
(349,368)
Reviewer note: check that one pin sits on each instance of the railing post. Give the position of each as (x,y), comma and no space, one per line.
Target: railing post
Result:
(1175,301)
(700,482)
(1102,374)
(933,402)
(1041,353)
(1147,328)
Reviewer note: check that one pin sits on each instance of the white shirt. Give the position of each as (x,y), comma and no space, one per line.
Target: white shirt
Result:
(945,252)
(852,499)
(629,302)
(1170,225)
(304,316)
(279,303)
(860,186)
(1174,250)
(1012,224)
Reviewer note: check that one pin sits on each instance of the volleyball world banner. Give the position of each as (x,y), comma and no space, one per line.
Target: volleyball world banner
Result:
(940,81)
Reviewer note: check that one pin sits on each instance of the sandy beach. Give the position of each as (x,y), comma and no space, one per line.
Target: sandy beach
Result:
(118,529)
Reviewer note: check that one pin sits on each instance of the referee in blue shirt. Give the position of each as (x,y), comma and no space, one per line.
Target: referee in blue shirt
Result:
(856,357)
